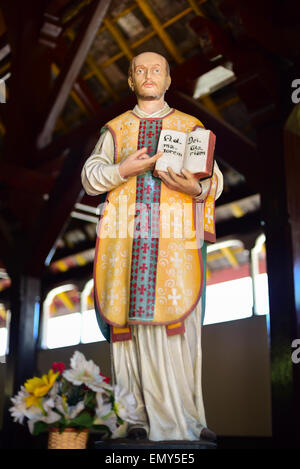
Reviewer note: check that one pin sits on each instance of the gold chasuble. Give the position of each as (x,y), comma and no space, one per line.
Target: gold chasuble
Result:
(148,266)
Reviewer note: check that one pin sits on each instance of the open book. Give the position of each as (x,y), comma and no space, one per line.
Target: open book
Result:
(193,151)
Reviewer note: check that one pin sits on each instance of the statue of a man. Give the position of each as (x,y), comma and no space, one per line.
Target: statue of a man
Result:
(150,289)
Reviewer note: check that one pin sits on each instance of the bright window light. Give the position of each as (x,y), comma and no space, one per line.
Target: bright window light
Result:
(228,301)
(90,331)
(80,326)
(63,331)
(212,81)
(262,294)
(3,341)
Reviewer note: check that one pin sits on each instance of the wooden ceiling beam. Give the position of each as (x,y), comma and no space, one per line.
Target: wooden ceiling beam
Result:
(232,147)
(159,29)
(80,86)
(23,179)
(238,192)
(272,25)
(82,96)
(68,75)
(88,130)
(55,7)
(192,68)
(30,79)
(119,37)
(86,96)
(235,227)
(257,81)
(56,210)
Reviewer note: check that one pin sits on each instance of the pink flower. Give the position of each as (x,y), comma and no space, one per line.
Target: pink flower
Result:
(58,367)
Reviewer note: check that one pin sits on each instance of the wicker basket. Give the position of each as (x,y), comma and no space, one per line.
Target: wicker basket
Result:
(70,438)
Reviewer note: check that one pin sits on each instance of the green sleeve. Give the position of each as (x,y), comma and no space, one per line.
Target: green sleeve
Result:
(103,129)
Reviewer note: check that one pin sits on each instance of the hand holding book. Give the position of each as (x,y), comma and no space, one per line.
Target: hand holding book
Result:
(193,151)
(187,183)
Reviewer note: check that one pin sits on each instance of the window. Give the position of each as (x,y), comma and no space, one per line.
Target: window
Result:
(69,317)
(214,80)
(90,331)
(237,287)
(229,285)
(237,281)
(4,328)
(228,301)
(62,317)
(260,277)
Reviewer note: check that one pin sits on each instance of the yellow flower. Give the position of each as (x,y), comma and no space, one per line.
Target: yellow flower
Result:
(32,400)
(38,387)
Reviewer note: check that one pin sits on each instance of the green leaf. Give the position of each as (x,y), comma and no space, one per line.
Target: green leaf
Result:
(62,423)
(89,400)
(83,420)
(119,420)
(74,395)
(40,427)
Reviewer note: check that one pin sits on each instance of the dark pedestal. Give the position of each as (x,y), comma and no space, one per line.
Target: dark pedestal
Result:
(126,444)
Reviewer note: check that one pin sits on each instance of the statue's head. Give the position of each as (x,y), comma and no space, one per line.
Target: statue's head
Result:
(149,76)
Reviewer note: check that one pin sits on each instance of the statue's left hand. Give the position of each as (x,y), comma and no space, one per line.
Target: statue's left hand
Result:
(187,183)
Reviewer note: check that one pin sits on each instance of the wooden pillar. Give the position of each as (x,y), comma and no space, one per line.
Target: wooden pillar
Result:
(281,263)
(21,360)
(292,171)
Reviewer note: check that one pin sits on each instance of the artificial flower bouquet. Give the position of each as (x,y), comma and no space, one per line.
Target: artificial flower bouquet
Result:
(80,397)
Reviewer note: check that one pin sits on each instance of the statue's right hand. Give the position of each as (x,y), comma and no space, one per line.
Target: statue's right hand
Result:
(137,163)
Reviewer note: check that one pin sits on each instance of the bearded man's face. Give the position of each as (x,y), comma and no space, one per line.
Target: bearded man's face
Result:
(150,76)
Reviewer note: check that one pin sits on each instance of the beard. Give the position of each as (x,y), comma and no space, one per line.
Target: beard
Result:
(147,97)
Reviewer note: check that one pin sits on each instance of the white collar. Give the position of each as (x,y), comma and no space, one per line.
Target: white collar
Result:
(160,113)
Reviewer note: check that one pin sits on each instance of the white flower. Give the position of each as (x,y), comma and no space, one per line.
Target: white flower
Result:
(71,411)
(38,415)
(125,404)
(19,409)
(51,417)
(85,372)
(104,412)
(33,413)
(109,421)
(54,391)
(104,407)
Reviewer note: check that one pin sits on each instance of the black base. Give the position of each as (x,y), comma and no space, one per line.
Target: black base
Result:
(126,444)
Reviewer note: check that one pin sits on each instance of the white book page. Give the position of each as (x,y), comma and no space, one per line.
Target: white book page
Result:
(172,144)
(196,150)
